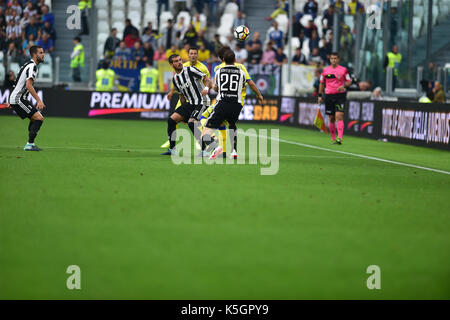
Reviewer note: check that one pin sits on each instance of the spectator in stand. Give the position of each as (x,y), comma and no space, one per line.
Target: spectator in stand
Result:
(10,79)
(311,8)
(213,4)
(15,5)
(46,43)
(429,77)
(275,35)
(13,54)
(148,53)
(214,59)
(310,27)
(317,74)
(184,53)
(255,39)
(231,41)
(268,56)
(315,59)
(129,29)
(302,38)
(241,54)
(148,36)
(255,54)
(149,26)
(167,35)
(180,27)
(137,53)
(354,6)
(198,25)
(172,50)
(28,43)
(217,44)
(314,41)
(297,27)
(160,54)
(202,40)
(50,30)
(190,37)
(33,28)
(161,3)
(339,6)
(280,57)
(439,96)
(240,20)
(282,7)
(16,40)
(199,5)
(131,39)
(30,9)
(328,19)
(13,28)
(377,94)
(47,16)
(111,44)
(346,36)
(122,52)
(13,16)
(179,5)
(299,57)
(24,21)
(325,50)
(203,53)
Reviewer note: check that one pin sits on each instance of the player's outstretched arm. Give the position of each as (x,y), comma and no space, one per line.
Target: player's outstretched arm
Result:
(255,90)
(170,94)
(30,88)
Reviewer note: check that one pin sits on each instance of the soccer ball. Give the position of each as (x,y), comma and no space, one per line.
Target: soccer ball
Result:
(241,33)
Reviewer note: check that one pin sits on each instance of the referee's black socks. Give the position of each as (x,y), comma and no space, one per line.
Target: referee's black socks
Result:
(171,127)
(33,128)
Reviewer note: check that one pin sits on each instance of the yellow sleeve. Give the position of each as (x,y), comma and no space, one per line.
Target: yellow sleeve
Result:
(242,67)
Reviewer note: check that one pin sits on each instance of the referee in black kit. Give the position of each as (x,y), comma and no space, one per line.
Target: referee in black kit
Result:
(188,82)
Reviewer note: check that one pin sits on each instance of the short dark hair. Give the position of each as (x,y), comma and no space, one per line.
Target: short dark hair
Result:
(221,51)
(229,57)
(172,57)
(193,48)
(105,64)
(34,49)
(336,54)
(77,38)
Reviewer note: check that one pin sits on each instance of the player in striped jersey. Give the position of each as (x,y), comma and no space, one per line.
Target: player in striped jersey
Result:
(229,83)
(18,99)
(189,83)
(193,62)
(208,111)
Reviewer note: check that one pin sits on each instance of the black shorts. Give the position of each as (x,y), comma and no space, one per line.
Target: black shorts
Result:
(24,109)
(187,111)
(228,111)
(335,103)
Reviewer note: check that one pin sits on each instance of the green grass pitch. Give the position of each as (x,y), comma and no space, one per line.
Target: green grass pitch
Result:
(101,197)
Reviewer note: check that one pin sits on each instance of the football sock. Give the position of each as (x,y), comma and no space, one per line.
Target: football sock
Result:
(233,135)
(171,128)
(332,127)
(223,138)
(33,129)
(210,142)
(340,128)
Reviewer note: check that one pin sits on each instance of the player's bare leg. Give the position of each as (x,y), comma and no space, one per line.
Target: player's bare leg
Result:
(211,142)
(332,127)
(172,122)
(35,124)
(340,126)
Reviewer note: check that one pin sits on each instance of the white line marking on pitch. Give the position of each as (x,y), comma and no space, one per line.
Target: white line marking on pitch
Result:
(361,156)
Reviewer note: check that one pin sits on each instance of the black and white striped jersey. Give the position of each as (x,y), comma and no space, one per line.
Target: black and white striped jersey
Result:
(189,82)
(230,80)
(28,71)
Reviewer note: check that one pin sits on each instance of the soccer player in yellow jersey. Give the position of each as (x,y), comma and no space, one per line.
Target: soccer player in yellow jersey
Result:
(193,62)
(205,115)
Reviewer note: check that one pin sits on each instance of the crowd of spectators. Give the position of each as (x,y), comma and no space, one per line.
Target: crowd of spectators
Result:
(22,25)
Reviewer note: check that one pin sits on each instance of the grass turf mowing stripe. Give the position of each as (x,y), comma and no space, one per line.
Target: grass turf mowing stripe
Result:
(359,155)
